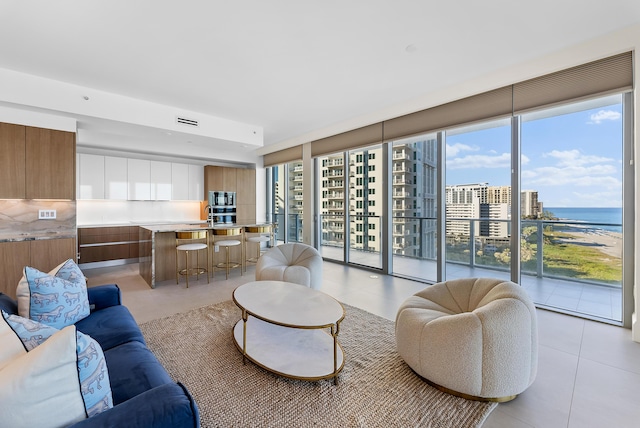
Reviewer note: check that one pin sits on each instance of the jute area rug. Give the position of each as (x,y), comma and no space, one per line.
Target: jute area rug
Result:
(375,388)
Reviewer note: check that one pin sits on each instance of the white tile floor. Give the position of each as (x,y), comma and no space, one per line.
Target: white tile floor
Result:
(588,372)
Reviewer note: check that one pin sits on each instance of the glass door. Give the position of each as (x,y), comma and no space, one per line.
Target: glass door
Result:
(572,178)
(478,200)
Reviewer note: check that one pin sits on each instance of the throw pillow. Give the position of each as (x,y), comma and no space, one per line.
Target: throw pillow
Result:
(58,298)
(19,335)
(65,379)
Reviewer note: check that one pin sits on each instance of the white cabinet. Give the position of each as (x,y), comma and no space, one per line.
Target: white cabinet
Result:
(90,176)
(196,183)
(115,178)
(139,179)
(180,181)
(110,177)
(160,181)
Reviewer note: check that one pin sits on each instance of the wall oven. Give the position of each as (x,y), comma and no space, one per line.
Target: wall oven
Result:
(222,207)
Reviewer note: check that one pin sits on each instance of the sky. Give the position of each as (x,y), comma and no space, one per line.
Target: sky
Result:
(572,160)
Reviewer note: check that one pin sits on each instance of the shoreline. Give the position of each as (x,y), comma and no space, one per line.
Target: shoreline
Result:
(607,242)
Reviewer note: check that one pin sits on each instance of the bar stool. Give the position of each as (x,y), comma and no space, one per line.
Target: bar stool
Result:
(187,241)
(256,234)
(226,240)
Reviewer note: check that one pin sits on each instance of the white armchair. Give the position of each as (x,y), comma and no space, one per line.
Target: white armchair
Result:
(295,262)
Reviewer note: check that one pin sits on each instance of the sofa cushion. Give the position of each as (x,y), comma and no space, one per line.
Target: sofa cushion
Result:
(133,369)
(11,347)
(58,299)
(65,379)
(111,327)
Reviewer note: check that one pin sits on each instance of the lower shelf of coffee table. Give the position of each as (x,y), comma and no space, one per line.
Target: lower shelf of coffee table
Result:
(305,354)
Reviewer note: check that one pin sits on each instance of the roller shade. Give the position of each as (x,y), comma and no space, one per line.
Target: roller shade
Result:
(612,74)
(360,137)
(486,106)
(283,156)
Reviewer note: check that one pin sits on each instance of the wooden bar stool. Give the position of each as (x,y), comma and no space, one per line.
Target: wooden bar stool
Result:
(187,241)
(256,235)
(224,236)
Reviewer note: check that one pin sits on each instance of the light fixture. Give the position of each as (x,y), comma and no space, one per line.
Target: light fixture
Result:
(411,48)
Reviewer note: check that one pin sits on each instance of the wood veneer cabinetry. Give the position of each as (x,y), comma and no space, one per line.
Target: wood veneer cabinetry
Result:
(50,163)
(12,161)
(36,163)
(43,255)
(100,244)
(239,180)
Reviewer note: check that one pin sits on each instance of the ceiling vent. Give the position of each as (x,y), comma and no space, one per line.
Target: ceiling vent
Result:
(185,121)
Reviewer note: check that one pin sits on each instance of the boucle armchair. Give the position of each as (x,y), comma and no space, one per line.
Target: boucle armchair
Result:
(472,337)
(294,262)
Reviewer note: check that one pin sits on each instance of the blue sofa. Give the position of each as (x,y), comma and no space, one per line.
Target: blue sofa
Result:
(144,395)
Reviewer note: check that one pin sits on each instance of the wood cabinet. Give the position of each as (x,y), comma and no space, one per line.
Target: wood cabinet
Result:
(239,180)
(12,161)
(246,195)
(43,255)
(37,163)
(101,244)
(50,164)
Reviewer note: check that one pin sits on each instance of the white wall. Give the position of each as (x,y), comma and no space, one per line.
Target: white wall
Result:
(105,212)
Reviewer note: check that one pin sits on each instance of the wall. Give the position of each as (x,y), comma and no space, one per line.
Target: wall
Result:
(99,212)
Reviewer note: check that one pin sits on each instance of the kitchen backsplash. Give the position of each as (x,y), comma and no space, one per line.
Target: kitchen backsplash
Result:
(21,217)
(105,212)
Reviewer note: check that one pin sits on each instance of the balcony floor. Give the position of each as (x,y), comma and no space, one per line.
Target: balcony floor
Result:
(571,297)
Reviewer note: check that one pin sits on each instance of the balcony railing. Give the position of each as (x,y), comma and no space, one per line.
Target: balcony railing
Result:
(566,250)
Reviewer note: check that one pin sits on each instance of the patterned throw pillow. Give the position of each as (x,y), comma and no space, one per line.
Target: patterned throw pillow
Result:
(65,378)
(31,333)
(58,299)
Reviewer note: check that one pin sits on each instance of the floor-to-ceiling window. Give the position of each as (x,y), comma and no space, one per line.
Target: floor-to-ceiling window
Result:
(572,200)
(286,201)
(366,205)
(414,207)
(332,179)
(478,199)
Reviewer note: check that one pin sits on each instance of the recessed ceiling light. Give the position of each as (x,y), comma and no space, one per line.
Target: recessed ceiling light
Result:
(86,98)
(373,276)
(411,48)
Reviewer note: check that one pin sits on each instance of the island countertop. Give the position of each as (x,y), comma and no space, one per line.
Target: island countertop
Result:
(157,253)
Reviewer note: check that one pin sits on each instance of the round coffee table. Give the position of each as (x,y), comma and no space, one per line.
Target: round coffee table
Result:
(289,329)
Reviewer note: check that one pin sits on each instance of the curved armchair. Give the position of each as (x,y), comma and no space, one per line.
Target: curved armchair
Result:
(295,262)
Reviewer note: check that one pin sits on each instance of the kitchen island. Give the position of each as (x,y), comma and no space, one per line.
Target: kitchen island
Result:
(157,253)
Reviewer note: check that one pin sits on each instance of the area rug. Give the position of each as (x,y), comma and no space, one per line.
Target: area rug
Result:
(375,388)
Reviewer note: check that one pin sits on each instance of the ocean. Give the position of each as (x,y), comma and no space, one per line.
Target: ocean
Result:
(590,215)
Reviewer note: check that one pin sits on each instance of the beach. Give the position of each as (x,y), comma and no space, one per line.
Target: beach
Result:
(609,243)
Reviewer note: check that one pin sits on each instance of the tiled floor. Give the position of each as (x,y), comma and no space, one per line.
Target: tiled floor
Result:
(588,372)
(594,301)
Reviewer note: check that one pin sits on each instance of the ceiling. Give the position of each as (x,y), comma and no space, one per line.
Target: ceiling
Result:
(293,68)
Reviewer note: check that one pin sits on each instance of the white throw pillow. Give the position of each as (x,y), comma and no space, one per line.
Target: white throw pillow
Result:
(65,379)
(58,298)
(40,388)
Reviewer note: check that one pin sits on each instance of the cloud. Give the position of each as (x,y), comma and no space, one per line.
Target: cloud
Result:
(601,176)
(575,158)
(480,161)
(602,115)
(599,199)
(454,149)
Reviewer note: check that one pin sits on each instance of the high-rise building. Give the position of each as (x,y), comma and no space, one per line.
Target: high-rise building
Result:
(529,204)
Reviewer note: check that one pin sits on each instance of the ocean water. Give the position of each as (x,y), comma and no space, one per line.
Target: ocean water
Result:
(591,215)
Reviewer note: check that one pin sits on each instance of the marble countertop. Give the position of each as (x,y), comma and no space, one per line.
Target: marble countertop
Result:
(37,236)
(173,227)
